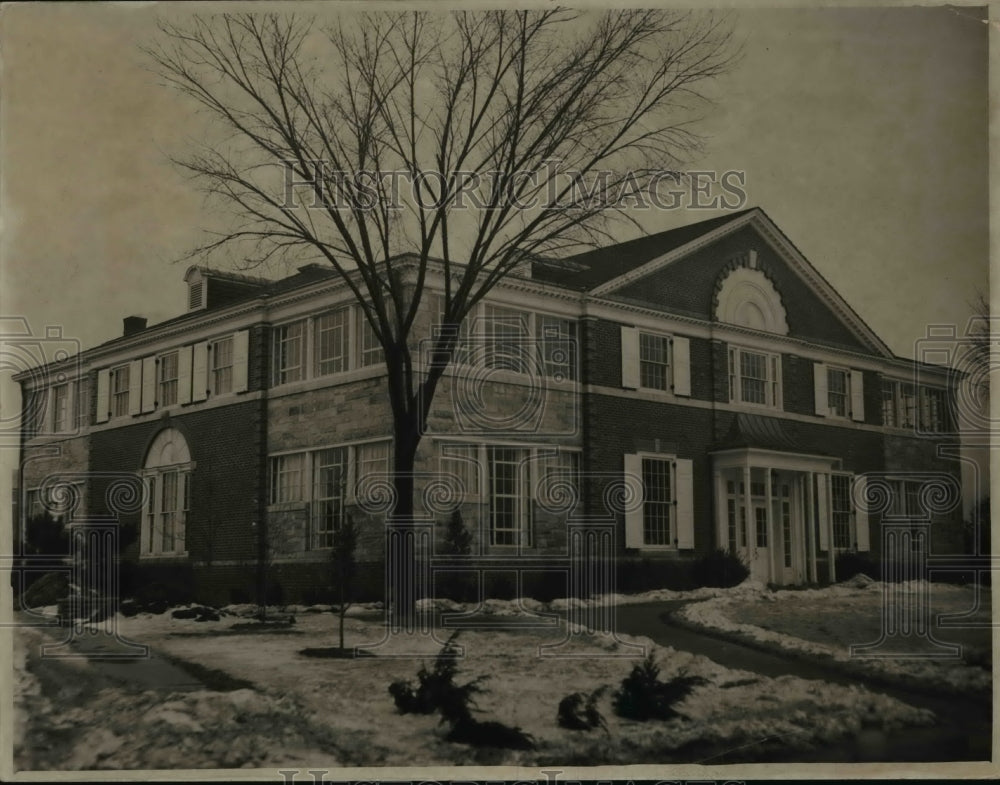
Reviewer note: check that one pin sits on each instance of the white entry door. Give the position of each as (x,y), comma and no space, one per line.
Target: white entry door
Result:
(760,551)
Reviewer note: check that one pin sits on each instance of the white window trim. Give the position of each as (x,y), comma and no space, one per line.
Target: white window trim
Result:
(852,530)
(669,364)
(778,404)
(670,458)
(210,366)
(897,393)
(307,487)
(157,473)
(114,394)
(847,392)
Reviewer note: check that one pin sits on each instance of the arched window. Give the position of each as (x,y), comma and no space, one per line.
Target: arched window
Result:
(167,474)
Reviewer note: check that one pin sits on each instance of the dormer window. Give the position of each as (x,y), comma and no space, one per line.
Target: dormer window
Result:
(197,283)
(196,295)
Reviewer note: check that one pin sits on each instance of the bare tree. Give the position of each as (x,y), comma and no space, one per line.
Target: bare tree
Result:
(513,134)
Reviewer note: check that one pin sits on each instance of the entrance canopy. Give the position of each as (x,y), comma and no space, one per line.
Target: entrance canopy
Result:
(773,500)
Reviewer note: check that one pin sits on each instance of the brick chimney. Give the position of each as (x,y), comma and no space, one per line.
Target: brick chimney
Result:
(134,324)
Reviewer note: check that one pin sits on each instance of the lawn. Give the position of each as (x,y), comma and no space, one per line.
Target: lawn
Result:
(303,711)
(827,622)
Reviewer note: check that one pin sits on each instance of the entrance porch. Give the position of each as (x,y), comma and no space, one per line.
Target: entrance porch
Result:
(773,509)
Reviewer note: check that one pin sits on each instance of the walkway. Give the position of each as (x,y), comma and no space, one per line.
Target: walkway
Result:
(964,732)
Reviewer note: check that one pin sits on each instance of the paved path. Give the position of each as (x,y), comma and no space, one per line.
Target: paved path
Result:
(963,733)
(112,660)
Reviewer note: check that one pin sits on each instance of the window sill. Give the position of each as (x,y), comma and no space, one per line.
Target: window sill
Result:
(286,507)
(330,380)
(163,556)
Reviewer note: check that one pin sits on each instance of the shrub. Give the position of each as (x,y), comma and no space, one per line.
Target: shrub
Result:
(437,691)
(644,697)
(850,564)
(579,711)
(643,574)
(47,590)
(720,569)
(457,537)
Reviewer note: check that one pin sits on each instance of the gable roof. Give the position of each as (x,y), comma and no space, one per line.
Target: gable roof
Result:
(604,270)
(592,268)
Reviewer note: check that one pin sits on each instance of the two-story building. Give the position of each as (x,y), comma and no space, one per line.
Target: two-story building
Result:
(709,370)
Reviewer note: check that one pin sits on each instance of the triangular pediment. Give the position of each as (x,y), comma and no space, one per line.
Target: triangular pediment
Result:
(742,271)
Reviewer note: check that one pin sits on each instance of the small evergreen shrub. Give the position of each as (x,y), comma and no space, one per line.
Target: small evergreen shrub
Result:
(720,569)
(579,711)
(437,691)
(643,696)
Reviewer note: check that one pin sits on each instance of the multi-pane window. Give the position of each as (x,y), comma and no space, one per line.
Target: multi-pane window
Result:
(60,408)
(657,483)
(82,403)
(461,350)
(329,491)
(167,373)
(906,498)
(760,526)
(837,392)
(462,461)
(288,351)
(933,401)
(753,377)
(890,405)
(907,405)
(168,505)
(222,366)
(168,511)
(557,343)
(654,361)
(840,496)
(899,404)
(372,462)
(119,390)
(505,338)
(786,524)
(332,337)
(286,478)
(369,348)
(508,502)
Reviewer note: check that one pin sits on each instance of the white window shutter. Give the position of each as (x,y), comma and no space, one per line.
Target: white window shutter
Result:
(199,371)
(681,360)
(820,389)
(184,375)
(861,535)
(137,385)
(684,488)
(822,517)
(857,395)
(241,354)
(633,514)
(630,357)
(148,384)
(103,395)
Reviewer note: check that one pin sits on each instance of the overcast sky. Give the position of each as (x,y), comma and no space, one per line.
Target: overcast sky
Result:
(863,134)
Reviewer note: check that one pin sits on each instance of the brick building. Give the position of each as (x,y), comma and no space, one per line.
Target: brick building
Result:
(710,370)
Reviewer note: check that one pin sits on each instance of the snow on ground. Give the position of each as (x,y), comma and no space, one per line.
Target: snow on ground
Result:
(824,623)
(307,711)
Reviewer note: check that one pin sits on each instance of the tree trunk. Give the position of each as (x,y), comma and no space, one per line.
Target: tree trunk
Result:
(400,542)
